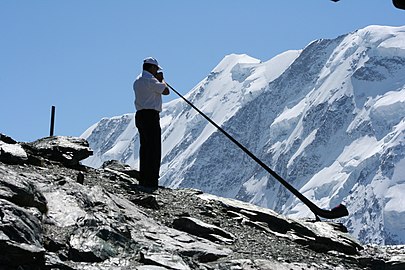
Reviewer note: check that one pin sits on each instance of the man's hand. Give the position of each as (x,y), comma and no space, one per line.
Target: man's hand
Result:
(159,76)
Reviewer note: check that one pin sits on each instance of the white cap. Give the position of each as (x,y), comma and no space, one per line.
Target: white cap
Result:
(151,60)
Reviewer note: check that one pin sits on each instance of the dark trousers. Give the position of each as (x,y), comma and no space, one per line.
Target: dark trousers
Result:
(148,124)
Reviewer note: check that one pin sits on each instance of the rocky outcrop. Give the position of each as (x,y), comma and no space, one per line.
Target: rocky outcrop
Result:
(11,152)
(57,214)
(199,228)
(68,151)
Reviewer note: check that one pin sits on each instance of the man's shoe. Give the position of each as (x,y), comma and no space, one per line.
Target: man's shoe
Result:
(147,189)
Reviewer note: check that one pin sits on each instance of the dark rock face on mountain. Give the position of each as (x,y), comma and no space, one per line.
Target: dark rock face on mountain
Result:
(58,214)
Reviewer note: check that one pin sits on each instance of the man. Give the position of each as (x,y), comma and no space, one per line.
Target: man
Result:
(149,88)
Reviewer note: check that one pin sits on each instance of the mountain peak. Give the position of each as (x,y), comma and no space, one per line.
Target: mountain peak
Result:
(231,60)
(386,39)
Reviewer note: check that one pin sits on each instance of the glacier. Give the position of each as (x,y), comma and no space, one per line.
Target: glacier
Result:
(328,118)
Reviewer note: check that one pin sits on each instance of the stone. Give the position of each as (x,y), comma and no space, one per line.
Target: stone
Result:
(166,260)
(66,150)
(7,139)
(150,267)
(80,178)
(145,200)
(20,236)
(202,229)
(115,165)
(12,153)
(15,255)
(20,191)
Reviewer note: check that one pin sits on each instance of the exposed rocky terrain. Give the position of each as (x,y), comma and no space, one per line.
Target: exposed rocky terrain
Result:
(58,214)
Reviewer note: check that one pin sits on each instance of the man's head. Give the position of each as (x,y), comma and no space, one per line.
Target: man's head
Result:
(151,64)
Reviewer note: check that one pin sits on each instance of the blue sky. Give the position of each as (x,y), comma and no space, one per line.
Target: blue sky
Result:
(83,55)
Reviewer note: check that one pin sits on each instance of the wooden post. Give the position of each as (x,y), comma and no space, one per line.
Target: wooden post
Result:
(52,121)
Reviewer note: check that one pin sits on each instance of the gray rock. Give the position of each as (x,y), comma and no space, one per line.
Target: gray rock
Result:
(150,267)
(20,191)
(12,153)
(7,139)
(145,200)
(20,236)
(66,150)
(50,221)
(319,236)
(166,260)
(202,229)
(15,255)
(115,165)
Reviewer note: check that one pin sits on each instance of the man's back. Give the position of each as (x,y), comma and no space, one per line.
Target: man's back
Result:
(148,92)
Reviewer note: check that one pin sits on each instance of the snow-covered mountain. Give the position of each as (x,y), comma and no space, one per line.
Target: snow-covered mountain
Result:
(329,119)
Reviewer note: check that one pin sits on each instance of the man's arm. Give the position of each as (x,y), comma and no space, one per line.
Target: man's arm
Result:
(166,92)
(159,77)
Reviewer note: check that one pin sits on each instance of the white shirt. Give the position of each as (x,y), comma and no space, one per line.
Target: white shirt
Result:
(148,92)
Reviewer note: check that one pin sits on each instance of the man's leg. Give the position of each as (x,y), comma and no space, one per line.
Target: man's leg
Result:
(139,121)
(156,151)
(148,126)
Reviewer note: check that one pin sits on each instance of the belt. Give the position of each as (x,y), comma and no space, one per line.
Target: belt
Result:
(147,110)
